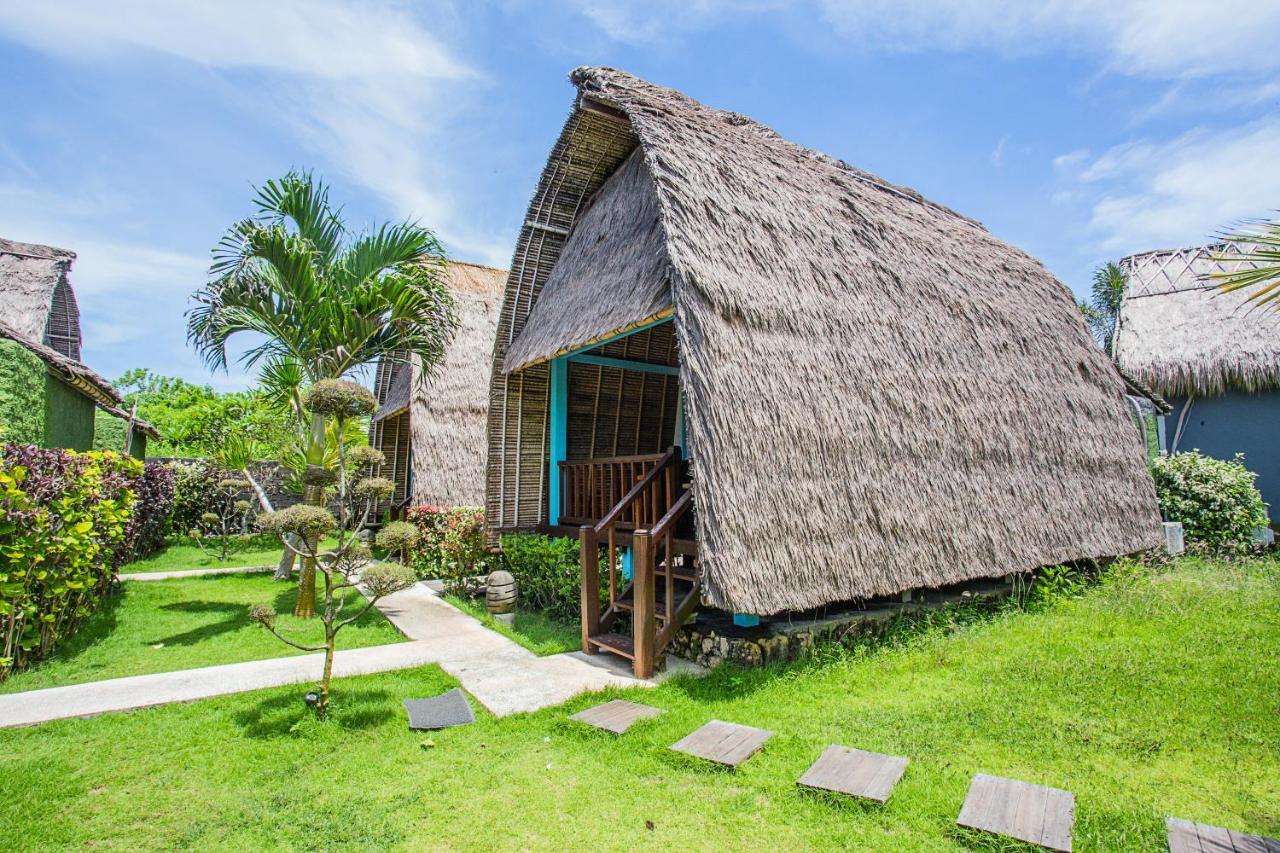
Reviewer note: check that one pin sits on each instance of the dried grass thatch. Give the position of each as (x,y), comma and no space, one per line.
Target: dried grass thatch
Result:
(36,296)
(880,395)
(1180,335)
(446,409)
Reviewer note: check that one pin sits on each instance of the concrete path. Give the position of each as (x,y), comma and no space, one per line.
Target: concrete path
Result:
(505,677)
(193,573)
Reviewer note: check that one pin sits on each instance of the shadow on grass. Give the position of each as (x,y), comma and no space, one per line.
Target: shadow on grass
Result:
(98,626)
(281,715)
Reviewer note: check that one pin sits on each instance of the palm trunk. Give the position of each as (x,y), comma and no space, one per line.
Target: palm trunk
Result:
(314,495)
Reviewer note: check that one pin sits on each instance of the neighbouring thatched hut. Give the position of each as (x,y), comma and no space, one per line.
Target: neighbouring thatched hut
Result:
(1214,356)
(874,394)
(431,428)
(47,396)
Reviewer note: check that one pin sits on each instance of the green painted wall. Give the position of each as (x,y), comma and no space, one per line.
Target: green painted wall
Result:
(108,434)
(22,394)
(68,420)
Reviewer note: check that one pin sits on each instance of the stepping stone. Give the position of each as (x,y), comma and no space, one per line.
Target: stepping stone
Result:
(724,743)
(1187,836)
(616,716)
(869,775)
(440,712)
(1032,813)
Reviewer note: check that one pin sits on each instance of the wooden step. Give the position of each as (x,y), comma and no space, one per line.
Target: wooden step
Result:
(616,643)
(627,601)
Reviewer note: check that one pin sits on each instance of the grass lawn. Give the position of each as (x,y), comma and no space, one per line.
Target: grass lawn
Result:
(160,626)
(538,633)
(1147,696)
(177,557)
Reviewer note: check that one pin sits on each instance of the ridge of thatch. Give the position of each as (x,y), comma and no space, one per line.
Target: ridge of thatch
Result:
(36,295)
(1182,336)
(880,395)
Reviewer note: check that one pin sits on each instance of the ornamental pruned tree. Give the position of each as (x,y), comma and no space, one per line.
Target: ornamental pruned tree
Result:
(302,527)
(322,304)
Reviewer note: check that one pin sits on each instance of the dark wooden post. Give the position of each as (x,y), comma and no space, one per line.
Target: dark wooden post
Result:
(644,628)
(589,560)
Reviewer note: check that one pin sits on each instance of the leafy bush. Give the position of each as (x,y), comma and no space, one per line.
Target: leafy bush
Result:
(547,573)
(63,521)
(194,493)
(398,538)
(153,505)
(450,544)
(1216,500)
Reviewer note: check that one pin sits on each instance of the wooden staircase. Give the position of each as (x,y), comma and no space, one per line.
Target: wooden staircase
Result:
(663,592)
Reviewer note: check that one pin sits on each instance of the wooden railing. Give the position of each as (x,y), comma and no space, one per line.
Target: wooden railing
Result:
(653,508)
(591,489)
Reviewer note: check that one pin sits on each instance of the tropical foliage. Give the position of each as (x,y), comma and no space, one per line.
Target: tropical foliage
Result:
(1255,263)
(64,518)
(450,544)
(1102,308)
(319,303)
(1216,500)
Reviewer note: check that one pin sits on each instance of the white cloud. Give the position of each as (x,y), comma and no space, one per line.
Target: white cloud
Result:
(997,153)
(651,22)
(363,84)
(1146,195)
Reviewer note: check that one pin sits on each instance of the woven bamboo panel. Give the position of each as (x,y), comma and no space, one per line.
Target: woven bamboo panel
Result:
(590,147)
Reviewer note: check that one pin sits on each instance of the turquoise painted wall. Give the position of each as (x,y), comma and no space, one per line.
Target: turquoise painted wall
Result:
(1235,423)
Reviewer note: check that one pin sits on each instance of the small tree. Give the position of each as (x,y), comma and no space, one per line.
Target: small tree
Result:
(224,529)
(348,564)
(1102,309)
(398,539)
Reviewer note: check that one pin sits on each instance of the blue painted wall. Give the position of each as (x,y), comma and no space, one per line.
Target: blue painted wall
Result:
(1235,423)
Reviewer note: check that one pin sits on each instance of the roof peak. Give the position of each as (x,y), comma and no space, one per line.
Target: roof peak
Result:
(35,250)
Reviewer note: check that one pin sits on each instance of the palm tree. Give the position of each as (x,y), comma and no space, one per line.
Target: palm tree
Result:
(1102,309)
(322,303)
(1256,258)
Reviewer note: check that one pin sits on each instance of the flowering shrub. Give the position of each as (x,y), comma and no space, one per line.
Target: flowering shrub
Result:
(64,517)
(1216,501)
(450,543)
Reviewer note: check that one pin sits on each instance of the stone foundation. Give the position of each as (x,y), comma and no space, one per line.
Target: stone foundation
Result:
(712,638)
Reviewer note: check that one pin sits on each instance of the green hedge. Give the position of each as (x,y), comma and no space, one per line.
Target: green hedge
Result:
(1216,500)
(68,419)
(547,573)
(64,517)
(22,394)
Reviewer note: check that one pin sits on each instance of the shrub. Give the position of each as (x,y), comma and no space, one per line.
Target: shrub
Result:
(450,544)
(194,493)
(301,520)
(398,538)
(547,573)
(149,524)
(63,521)
(1216,500)
(338,398)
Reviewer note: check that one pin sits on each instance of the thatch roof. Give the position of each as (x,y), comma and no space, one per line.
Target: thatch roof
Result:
(880,394)
(1180,335)
(447,407)
(78,375)
(36,295)
(612,272)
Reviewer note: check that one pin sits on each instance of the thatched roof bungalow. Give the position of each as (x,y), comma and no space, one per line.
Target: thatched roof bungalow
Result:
(431,428)
(1213,355)
(874,394)
(47,395)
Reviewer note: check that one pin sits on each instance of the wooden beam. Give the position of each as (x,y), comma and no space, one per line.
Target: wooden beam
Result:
(625,364)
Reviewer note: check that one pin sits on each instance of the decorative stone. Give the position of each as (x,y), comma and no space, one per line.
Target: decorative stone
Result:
(500,597)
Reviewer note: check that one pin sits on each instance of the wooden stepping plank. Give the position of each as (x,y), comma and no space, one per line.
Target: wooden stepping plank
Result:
(724,743)
(1033,813)
(1186,836)
(616,716)
(869,775)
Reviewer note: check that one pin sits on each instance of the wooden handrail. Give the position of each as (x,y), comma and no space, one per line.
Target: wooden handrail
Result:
(642,457)
(673,515)
(636,490)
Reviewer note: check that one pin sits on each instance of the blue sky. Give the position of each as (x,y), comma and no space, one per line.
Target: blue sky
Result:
(132,132)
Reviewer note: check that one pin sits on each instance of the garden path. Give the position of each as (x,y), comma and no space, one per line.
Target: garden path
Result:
(505,677)
(194,573)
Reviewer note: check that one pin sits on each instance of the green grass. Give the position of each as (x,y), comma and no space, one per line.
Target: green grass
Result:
(1147,697)
(161,626)
(537,632)
(180,556)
